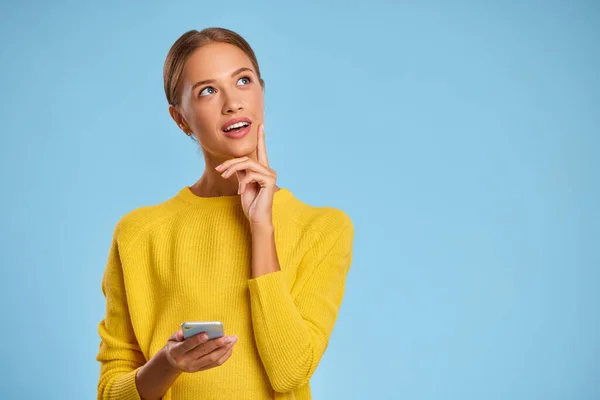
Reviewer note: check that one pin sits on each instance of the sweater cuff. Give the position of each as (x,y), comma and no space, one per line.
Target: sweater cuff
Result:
(124,387)
(268,285)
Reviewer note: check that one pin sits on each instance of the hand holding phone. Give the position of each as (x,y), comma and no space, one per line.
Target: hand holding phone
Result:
(212,329)
(199,346)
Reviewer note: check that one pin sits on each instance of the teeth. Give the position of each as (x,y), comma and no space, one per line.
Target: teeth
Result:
(237,125)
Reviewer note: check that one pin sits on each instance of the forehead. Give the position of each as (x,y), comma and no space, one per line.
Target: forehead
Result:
(214,61)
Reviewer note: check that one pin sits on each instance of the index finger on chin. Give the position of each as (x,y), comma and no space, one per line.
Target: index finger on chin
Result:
(262,147)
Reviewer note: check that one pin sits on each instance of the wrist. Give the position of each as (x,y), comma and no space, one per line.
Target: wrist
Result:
(262,228)
(155,377)
(163,360)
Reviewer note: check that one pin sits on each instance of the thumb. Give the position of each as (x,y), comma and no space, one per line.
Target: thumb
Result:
(177,336)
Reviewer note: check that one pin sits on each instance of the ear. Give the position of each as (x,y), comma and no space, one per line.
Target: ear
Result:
(179,120)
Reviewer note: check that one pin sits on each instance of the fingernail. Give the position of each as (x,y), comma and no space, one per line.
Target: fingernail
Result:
(230,339)
(204,336)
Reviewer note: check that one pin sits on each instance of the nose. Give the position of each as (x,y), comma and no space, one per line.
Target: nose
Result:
(232,104)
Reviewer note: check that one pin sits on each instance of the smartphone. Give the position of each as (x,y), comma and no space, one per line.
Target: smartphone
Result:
(213,329)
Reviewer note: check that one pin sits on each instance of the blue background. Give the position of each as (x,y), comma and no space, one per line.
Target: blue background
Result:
(461,137)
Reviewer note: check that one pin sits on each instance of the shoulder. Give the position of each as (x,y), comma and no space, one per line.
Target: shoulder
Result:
(330,221)
(323,239)
(142,220)
(319,223)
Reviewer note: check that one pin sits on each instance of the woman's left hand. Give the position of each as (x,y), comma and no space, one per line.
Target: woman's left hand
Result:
(256,182)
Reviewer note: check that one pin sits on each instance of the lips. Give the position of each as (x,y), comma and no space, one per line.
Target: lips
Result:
(235,121)
(237,133)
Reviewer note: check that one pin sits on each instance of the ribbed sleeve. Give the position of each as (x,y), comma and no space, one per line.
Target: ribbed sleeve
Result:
(119,353)
(292,331)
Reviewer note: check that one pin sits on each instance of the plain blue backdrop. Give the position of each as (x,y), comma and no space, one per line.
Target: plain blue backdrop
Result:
(461,137)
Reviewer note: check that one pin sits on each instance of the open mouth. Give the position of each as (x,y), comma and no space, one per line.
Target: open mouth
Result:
(237,130)
(237,127)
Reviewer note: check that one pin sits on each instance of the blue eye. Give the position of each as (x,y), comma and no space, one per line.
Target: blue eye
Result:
(205,89)
(210,90)
(246,78)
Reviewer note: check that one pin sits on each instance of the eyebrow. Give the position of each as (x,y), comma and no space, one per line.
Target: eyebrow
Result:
(212,80)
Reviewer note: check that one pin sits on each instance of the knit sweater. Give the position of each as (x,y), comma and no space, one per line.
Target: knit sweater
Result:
(189,259)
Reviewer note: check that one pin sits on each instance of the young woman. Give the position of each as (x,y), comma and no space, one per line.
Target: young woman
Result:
(233,247)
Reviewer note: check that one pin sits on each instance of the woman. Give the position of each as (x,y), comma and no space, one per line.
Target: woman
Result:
(234,247)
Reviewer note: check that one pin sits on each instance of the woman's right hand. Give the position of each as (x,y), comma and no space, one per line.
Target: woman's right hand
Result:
(197,353)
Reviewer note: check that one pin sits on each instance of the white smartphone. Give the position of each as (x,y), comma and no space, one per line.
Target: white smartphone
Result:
(213,329)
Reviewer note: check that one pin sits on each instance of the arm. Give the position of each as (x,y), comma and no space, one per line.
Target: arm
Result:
(119,354)
(292,328)
(124,373)
(156,377)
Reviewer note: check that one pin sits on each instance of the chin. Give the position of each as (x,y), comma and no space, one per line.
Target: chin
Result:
(241,149)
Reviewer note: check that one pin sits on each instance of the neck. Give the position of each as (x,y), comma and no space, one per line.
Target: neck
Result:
(212,184)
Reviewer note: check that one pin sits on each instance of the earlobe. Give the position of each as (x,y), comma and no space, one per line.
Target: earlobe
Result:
(185,129)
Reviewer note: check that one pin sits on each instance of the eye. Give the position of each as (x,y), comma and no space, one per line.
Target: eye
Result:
(246,78)
(204,91)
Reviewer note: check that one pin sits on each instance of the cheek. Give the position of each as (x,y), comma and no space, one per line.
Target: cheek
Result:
(259,103)
(204,117)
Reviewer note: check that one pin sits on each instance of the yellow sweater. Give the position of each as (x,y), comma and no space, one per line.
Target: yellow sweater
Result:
(189,259)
